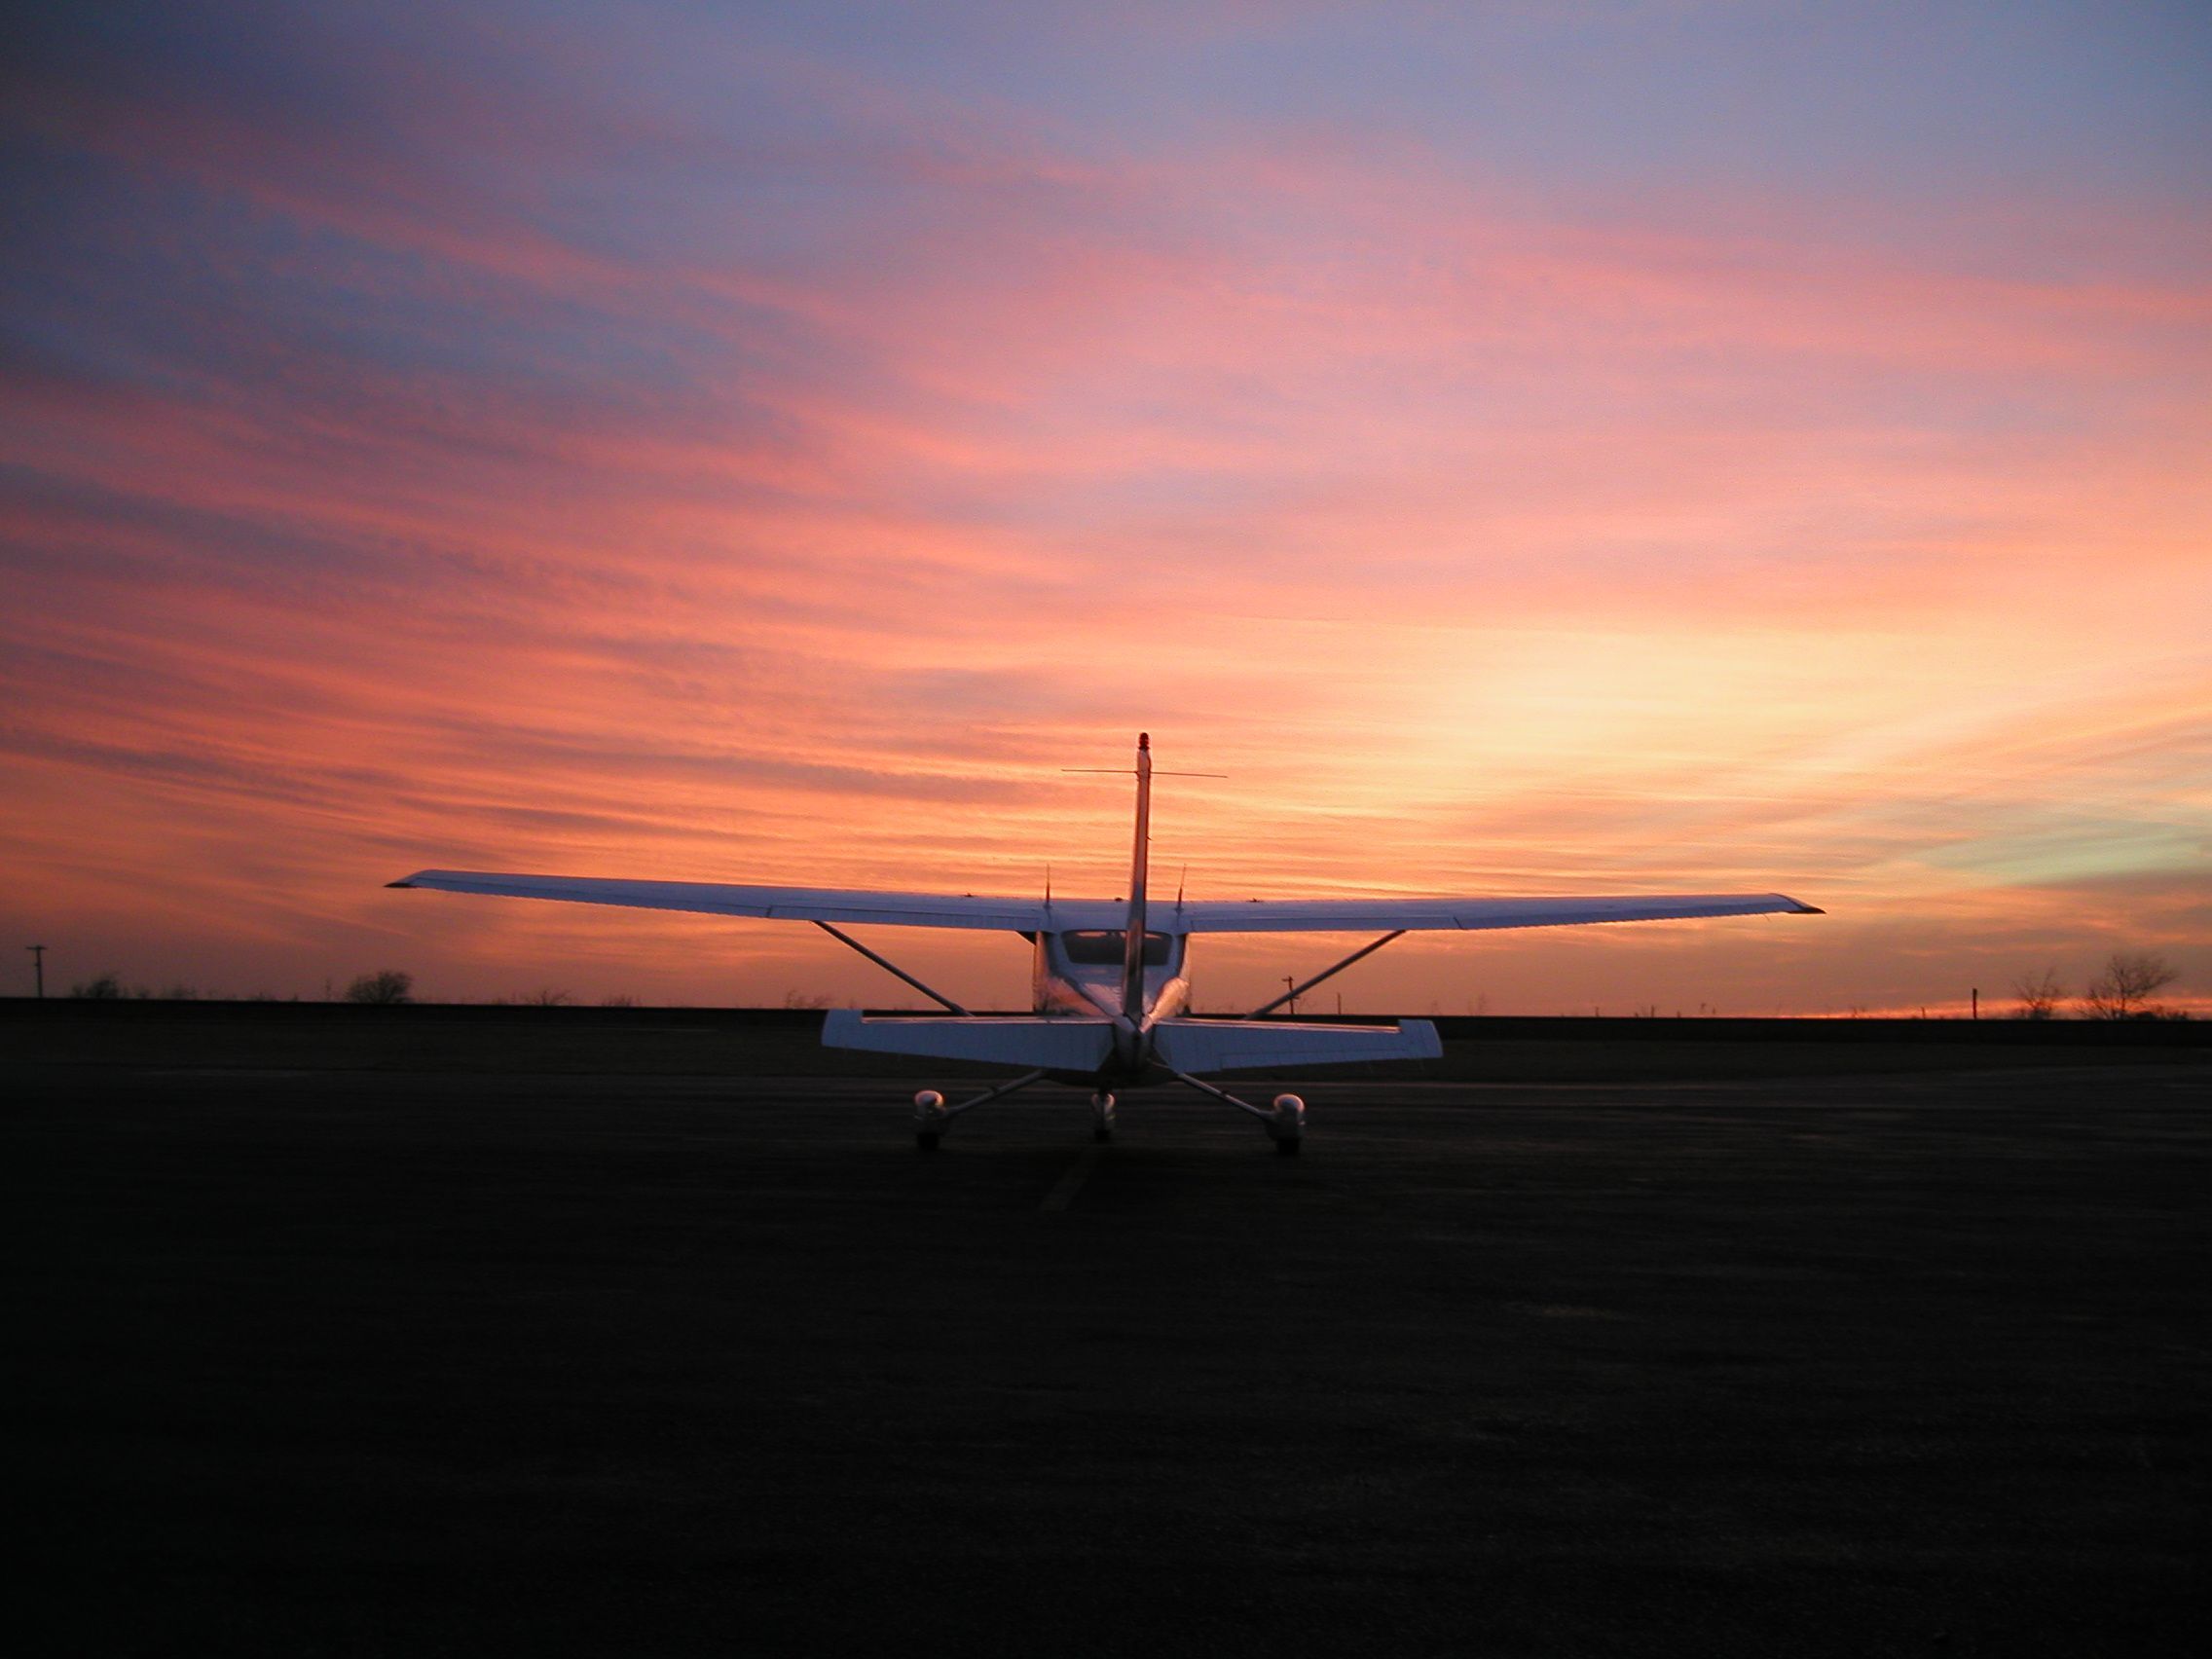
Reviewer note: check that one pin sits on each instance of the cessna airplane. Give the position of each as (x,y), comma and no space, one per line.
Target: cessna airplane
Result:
(1108,973)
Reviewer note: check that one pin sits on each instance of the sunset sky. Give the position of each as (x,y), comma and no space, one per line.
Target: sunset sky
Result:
(1530,447)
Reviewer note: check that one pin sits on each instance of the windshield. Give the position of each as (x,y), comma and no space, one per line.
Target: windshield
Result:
(1099,947)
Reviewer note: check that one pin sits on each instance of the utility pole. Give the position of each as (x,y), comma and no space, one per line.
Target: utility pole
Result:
(1977,995)
(38,967)
(1290,984)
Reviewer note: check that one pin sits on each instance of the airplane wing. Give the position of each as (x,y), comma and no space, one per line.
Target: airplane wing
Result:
(789,904)
(1385,916)
(1032,915)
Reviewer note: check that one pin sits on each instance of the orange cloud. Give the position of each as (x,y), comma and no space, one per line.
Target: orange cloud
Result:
(365,511)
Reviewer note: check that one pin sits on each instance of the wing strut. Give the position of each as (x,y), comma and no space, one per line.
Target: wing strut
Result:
(1325,974)
(892,967)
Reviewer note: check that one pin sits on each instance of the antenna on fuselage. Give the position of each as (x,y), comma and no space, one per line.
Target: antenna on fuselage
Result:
(1143,738)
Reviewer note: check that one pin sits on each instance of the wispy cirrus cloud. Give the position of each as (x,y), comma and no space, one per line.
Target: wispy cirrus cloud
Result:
(713,450)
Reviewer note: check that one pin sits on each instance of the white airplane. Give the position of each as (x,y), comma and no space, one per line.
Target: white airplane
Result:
(1108,973)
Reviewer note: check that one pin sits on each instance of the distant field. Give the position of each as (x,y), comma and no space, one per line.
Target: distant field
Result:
(786,1043)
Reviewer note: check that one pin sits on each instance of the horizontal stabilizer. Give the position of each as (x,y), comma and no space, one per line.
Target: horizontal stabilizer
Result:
(1055,1045)
(1200,1045)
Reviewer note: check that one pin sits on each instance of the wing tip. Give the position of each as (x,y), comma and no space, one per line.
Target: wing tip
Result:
(1799,907)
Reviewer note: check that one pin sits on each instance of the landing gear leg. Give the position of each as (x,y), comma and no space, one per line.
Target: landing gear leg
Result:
(930,1120)
(933,1117)
(1285,1125)
(1101,1116)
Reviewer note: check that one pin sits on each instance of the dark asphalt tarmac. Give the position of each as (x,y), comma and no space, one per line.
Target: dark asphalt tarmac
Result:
(384,1363)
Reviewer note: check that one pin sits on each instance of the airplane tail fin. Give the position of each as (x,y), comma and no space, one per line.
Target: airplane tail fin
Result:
(1133,956)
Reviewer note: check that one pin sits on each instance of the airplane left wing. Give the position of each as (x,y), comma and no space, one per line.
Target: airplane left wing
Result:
(789,903)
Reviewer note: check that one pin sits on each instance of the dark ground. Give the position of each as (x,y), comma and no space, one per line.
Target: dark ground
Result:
(443,1362)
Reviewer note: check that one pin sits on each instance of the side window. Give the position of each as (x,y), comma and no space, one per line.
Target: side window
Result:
(1102,947)
(1092,947)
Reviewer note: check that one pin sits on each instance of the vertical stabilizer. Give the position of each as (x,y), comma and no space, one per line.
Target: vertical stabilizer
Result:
(1133,958)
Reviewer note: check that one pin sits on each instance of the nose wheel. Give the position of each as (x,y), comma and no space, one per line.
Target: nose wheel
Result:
(1101,1117)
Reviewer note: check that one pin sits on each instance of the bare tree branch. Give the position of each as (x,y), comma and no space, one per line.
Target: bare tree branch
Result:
(2123,989)
(2040,995)
(386,986)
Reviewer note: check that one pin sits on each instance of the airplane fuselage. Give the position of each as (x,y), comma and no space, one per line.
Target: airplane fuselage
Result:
(1082,973)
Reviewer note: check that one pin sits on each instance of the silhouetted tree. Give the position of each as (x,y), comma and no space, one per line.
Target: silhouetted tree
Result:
(383,987)
(2124,990)
(2040,995)
(545,996)
(105,987)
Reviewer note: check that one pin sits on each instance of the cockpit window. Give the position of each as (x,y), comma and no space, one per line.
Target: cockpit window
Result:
(1099,947)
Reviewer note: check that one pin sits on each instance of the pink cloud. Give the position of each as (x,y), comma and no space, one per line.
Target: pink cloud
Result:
(1488,548)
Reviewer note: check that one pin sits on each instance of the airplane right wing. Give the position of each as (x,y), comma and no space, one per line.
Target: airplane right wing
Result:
(1387,915)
